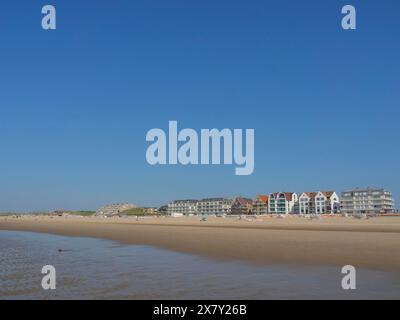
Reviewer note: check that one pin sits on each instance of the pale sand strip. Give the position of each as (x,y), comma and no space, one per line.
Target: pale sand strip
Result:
(371,243)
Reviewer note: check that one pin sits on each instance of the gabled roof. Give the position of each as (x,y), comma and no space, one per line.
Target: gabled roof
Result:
(288,195)
(328,194)
(313,194)
(310,194)
(243,201)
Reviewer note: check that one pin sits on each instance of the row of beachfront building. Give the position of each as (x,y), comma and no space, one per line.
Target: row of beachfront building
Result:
(357,201)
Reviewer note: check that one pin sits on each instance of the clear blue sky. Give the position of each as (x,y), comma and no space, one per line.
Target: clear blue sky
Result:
(76,103)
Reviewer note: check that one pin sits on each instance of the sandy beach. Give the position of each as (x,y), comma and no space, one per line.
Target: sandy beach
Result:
(332,241)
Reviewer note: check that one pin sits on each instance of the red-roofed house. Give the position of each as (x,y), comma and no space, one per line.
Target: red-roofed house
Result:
(260,205)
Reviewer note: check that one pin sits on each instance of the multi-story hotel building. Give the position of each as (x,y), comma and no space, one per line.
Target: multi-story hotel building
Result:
(320,202)
(282,203)
(260,205)
(182,206)
(214,206)
(367,201)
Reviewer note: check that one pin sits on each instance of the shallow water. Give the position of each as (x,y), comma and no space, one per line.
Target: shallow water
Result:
(100,269)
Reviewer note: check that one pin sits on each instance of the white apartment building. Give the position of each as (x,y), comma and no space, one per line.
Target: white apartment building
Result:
(320,202)
(215,206)
(282,203)
(182,206)
(367,201)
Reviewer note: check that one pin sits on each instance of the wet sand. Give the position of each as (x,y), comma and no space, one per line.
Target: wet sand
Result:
(371,244)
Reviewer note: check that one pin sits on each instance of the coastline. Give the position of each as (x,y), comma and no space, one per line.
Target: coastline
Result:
(370,244)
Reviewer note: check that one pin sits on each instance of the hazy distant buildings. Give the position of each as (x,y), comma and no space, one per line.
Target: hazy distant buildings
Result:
(114,209)
(150,210)
(282,203)
(163,209)
(367,201)
(320,202)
